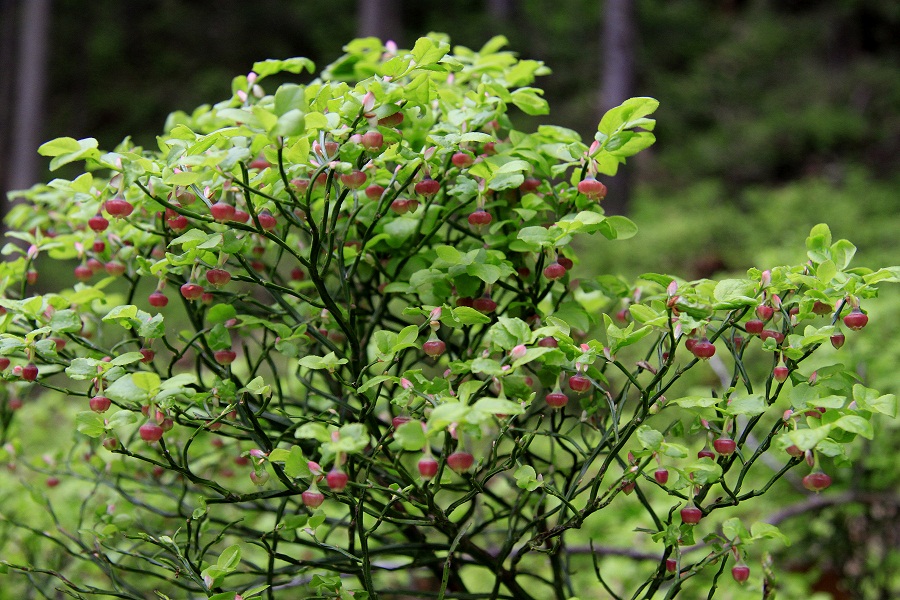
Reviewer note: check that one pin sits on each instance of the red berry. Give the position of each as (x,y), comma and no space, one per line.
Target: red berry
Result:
(98,223)
(110,443)
(114,268)
(548,342)
(100,404)
(661,476)
(222,211)
(462,160)
(399,420)
(856,320)
(838,339)
(460,461)
(484,305)
(820,308)
(297,274)
(428,467)
(724,446)
(691,515)
(690,343)
(157,299)
(267,220)
(817,481)
(780,373)
(794,451)
(627,487)
(29,372)
(241,216)
(99,246)
(177,223)
(434,347)
(554,271)
(480,218)
(4,363)
(579,383)
(118,207)
(771,333)
(754,326)
(336,480)
(372,140)
(218,277)
(764,312)
(557,399)
(312,498)
(354,179)
(150,432)
(740,573)
(706,453)
(671,565)
(565,262)
(225,357)
(83,273)
(259,163)
(374,191)
(31,276)
(191,291)
(428,187)
(529,185)
(592,188)
(400,206)
(704,349)
(147,355)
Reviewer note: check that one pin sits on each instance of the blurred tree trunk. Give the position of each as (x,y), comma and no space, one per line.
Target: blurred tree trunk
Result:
(27,107)
(617,84)
(379,18)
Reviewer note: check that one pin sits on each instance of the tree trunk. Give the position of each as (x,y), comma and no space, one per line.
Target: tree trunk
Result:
(28,103)
(379,18)
(500,10)
(617,84)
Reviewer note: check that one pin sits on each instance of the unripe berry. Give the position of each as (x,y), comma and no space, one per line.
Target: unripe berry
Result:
(372,140)
(267,220)
(780,373)
(704,349)
(460,461)
(817,481)
(592,188)
(480,218)
(554,271)
(484,305)
(838,339)
(462,160)
(557,399)
(118,207)
(691,515)
(529,185)
(225,357)
(548,342)
(661,476)
(222,211)
(579,383)
(434,348)
(336,480)
(706,453)
(259,477)
(218,277)
(724,446)
(312,498)
(428,467)
(740,573)
(764,312)
(83,273)
(428,187)
(856,320)
(191,291)
(98,223)
(29,372)
(754,326)
(150,432)
(100,404)
(354,179)
(771,333)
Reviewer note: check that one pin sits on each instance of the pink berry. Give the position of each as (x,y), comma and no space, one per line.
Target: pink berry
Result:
(428,187)
(267,221)
(740,573)
(222,211)
(434,347)
(191,291)
(225,357)
(83,273)
(754,326)
(838,339)
(460,461)
(856,320)
(157,299)
(150,432)
(548,342)
(671,565)
(29,372)
(374,191)
(780,373)
(428,467)
(817,481)
(372,140)
(98,223)
(771,333)
(312,498)
(592,188)
(764,312)
(557,399)
(661,476)
(724,446)
(218,277)
(579,383)
(114,268)
(703,349)
(480,218)
(691,515)
(118,207)
(148,355)
(354,179)
(336,480)
(177,222)
(240,216)
(462,160)
(484,305)
(399,420)
(529,185)
(554,271)
(100,404)
(4,363)
(706,453)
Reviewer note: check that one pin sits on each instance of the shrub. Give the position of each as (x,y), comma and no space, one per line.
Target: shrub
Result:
(326,343)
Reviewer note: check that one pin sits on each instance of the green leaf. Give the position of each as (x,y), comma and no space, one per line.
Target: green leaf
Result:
(869,399)
(696,402)
(468,316)
(526,478)
(296,464)
(741,403)
(806,439)
(530,102)
(649,438)
(124,390)
(292,65)
(760,530)
(498,406)
(411,436)
(90,424)
(855,424)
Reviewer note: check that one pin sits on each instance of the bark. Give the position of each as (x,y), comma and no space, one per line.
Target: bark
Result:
(379,18)
(617,85)
(28,103)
